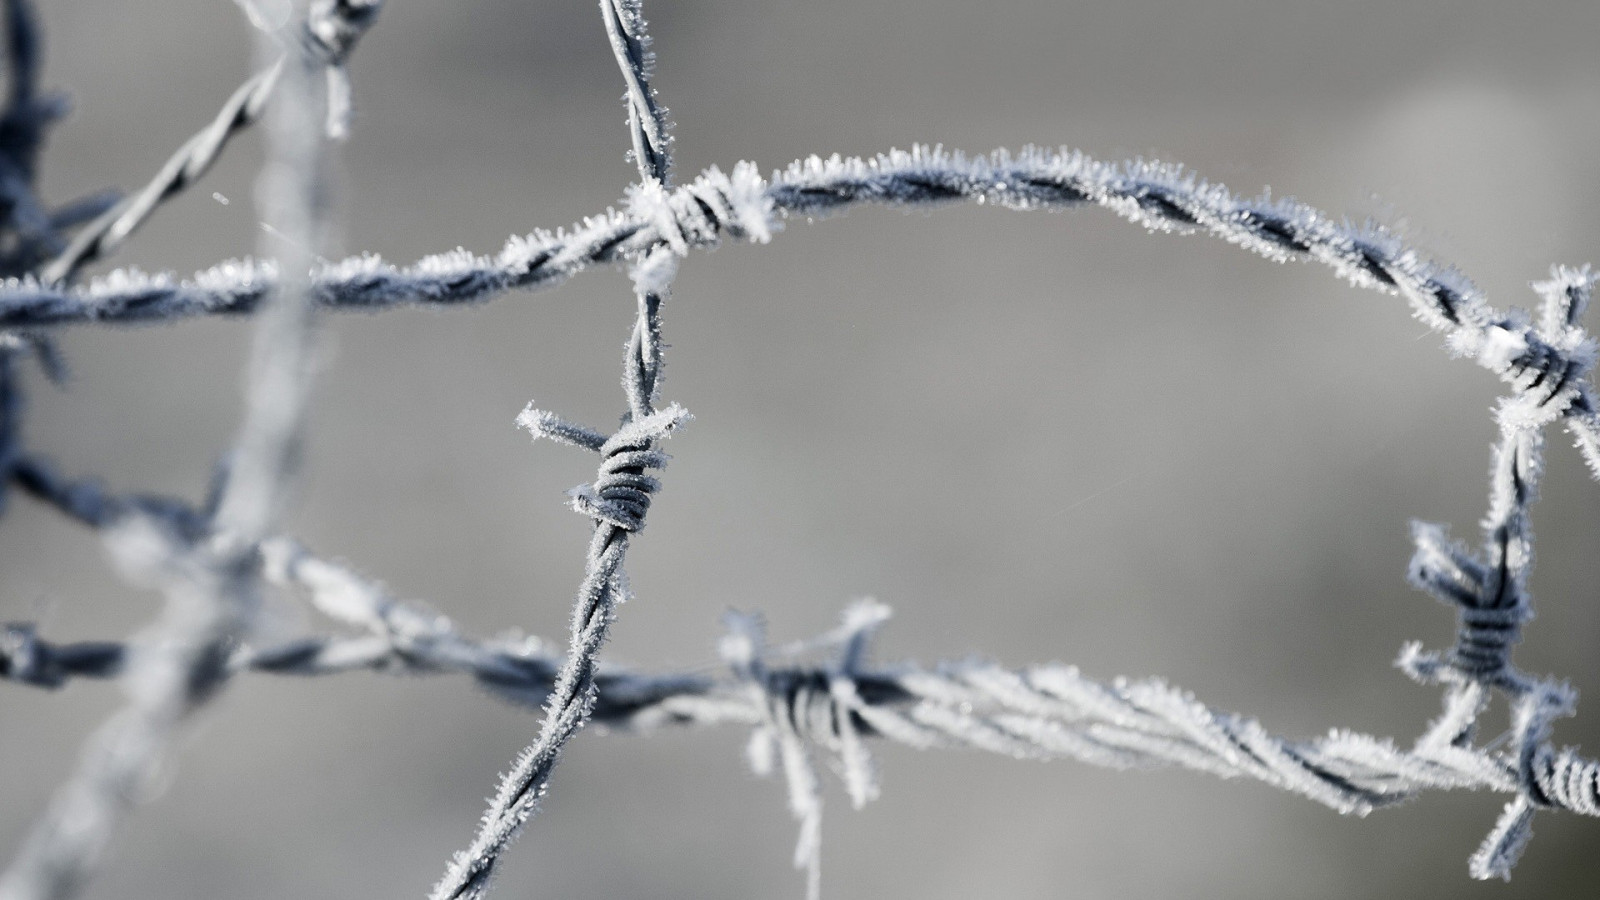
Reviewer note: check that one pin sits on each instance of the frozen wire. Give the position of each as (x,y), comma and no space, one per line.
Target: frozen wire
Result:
(1038,713)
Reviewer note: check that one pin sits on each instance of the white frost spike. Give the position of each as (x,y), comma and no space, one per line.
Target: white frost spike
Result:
(752,206)
(651,202)
(761,752)
(805,803)
(856,765)
(1500,348)
(1566,298)
(865,615)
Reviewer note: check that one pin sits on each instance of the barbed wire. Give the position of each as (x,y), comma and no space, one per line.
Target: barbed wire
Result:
(213,559)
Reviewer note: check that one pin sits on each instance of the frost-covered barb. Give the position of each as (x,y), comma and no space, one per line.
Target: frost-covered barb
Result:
(616,502)
(796,707)
(209,578)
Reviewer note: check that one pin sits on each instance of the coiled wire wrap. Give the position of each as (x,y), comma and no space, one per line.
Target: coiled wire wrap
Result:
(620,494)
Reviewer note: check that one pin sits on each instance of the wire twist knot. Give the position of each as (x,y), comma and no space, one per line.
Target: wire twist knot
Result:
(696,214)
(1491,608)
(1566,780)
(1552,376)
(620,495)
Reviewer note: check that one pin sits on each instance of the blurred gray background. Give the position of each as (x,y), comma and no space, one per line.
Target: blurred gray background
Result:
(1037,436)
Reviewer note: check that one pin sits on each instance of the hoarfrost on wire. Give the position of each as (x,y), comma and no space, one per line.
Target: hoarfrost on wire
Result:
(213,559)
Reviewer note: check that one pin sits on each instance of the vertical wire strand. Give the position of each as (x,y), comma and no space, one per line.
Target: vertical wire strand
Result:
(572,697)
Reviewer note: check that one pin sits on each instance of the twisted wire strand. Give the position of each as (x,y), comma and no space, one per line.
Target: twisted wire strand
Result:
(1042,712)
(334,28)
(1161,197)
(647,121)
(209,584)
(112,228)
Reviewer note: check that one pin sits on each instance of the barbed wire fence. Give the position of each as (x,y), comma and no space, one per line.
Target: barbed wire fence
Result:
(214,560)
